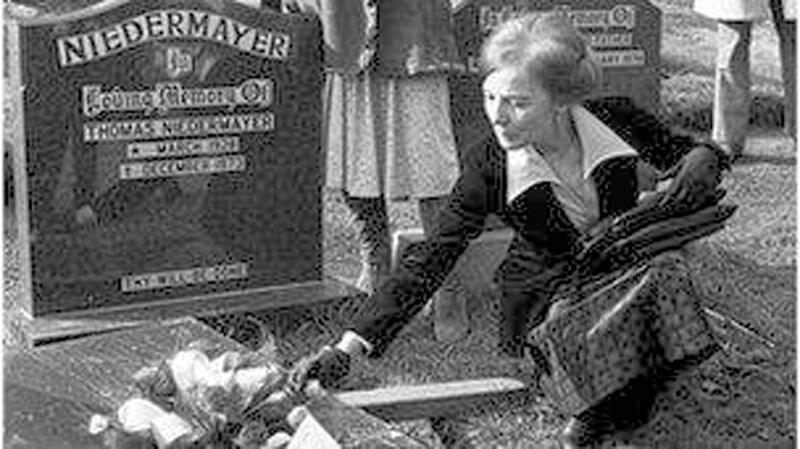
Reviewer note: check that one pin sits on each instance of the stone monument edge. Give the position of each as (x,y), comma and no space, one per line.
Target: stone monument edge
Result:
(19,166)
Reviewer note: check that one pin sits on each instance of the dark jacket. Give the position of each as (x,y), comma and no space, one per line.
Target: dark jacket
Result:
(394,38)
(536,216)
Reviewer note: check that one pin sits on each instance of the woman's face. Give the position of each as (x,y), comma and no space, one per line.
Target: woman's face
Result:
(517,106)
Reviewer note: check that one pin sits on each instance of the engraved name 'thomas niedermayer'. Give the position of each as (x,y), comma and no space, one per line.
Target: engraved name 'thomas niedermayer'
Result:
(171,24)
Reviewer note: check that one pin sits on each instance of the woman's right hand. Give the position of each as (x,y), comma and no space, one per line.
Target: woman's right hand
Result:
(329,365)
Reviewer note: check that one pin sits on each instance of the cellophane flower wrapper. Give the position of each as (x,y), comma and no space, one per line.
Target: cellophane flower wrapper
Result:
(226,412)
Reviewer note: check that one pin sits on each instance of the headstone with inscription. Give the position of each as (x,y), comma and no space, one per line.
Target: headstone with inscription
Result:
(625,36)
(170,150)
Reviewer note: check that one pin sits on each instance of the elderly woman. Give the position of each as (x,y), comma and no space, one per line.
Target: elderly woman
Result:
(556,165)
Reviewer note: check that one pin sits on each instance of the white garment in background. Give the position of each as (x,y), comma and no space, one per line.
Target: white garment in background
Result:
(790,9)
(735,10)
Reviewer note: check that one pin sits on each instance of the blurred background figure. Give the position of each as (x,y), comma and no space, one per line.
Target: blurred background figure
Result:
(784,12)
(386,125)
(732,79)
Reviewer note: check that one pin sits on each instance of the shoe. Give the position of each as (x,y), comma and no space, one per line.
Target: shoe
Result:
(369,278)
(427,311)
(375,255)
(734,151)
(578,434)
(582,432)
(374,269)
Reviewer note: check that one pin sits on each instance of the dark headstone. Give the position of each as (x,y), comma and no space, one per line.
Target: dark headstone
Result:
(626,36)
(170,150)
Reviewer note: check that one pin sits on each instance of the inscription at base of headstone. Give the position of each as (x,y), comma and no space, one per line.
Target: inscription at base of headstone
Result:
(170,149)
(625,36)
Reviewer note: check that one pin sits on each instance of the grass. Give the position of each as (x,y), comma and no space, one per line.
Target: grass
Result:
(743,397)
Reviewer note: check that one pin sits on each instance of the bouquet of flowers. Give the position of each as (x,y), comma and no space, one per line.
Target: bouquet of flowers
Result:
(189,400)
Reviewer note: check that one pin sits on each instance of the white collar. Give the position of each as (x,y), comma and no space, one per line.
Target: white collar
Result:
(527,168)
(599,142)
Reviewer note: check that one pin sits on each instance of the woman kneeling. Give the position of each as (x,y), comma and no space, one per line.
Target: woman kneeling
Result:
(556,165)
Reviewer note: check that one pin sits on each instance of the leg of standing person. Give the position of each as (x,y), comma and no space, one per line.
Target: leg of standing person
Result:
(789,71)
(375,247)
(787,40)
(451,318)
(732,86)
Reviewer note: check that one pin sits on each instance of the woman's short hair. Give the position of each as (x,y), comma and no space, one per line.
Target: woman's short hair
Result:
(554,52)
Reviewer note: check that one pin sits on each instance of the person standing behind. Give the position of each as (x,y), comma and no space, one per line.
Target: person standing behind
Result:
(784,13)
(732,78)
(386,125)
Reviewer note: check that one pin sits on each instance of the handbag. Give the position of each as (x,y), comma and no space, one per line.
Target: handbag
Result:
(640,317)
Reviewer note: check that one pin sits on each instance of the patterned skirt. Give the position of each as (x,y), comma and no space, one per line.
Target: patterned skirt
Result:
(389,137)
(634,323)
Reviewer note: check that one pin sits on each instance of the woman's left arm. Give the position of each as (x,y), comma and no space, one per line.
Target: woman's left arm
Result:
(696,177)
(697,165)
